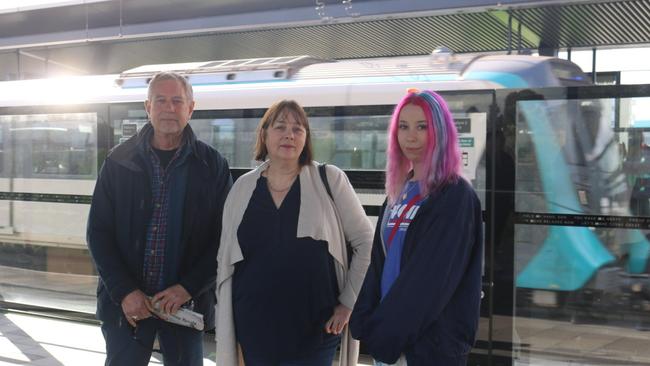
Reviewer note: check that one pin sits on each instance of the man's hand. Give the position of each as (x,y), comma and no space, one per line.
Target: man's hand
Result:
(171,299)
(136,306)
(339,319)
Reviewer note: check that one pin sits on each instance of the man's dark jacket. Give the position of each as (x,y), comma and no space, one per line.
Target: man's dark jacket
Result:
(120,213)
(431,312)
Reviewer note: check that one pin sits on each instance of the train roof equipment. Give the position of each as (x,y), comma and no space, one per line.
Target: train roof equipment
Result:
(257,83)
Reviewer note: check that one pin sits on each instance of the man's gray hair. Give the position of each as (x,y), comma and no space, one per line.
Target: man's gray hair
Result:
(166,75)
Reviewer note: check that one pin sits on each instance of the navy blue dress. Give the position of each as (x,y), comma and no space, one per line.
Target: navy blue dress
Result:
(285,288)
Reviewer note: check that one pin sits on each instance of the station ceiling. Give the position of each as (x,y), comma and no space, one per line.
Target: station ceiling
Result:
(112,36)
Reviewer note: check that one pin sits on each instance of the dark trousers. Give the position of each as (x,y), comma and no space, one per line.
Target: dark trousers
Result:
(322,356)
(180,346)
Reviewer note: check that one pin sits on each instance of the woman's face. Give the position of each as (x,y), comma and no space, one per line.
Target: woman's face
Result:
(412,132)
(285,138)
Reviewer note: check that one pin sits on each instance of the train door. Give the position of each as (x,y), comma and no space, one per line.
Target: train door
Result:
(572,226)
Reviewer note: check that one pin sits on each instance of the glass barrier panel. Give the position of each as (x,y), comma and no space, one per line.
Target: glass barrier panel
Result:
(47,174)
(581,248)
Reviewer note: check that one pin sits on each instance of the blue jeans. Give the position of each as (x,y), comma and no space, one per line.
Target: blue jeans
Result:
(322,356)
(180,346)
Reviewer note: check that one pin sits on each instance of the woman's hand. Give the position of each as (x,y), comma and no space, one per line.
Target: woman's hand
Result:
(339,319)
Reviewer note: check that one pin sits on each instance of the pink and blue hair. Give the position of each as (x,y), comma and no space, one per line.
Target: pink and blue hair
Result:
(442,163)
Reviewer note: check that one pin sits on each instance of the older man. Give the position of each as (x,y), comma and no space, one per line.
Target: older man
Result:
(153,231)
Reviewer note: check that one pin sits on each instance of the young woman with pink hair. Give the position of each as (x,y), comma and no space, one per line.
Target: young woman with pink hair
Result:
(419,304)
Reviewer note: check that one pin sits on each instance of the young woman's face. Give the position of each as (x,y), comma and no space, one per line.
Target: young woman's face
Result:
(412,132)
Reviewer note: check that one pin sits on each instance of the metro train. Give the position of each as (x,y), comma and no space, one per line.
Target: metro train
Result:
(54,134)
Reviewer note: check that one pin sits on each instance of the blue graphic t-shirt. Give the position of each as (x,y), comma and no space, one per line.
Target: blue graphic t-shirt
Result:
(395,246)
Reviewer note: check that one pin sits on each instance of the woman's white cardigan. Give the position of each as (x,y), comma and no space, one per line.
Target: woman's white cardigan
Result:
(318,219)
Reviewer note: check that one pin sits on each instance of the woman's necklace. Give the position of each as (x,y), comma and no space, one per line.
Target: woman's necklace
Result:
(268,183)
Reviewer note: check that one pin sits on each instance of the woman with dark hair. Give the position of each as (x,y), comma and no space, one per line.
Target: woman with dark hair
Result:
(419,304)
(284,287)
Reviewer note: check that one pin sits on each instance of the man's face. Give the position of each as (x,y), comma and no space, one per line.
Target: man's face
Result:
(169,109)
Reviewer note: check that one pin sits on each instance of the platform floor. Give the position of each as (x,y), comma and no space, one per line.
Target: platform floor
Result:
(38,341)
(41,341)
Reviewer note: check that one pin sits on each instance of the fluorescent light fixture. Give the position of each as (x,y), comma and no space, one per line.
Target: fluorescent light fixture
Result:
(14,6)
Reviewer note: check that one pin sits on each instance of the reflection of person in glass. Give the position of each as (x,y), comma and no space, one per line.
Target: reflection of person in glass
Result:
(637,166)
(285,290)
(419,304)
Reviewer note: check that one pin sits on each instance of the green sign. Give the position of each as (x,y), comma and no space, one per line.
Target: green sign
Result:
(466,141)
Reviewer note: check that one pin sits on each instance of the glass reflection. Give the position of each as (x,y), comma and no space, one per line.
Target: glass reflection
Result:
(43,255)
(580,157)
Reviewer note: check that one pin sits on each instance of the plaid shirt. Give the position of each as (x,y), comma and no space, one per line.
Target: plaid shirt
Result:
(154,255)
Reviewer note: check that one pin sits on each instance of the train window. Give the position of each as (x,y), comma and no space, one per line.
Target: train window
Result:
(233,137)
(349,141)
(569,73)
(127,120)
(229,131)
(349,137)
(62,145)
